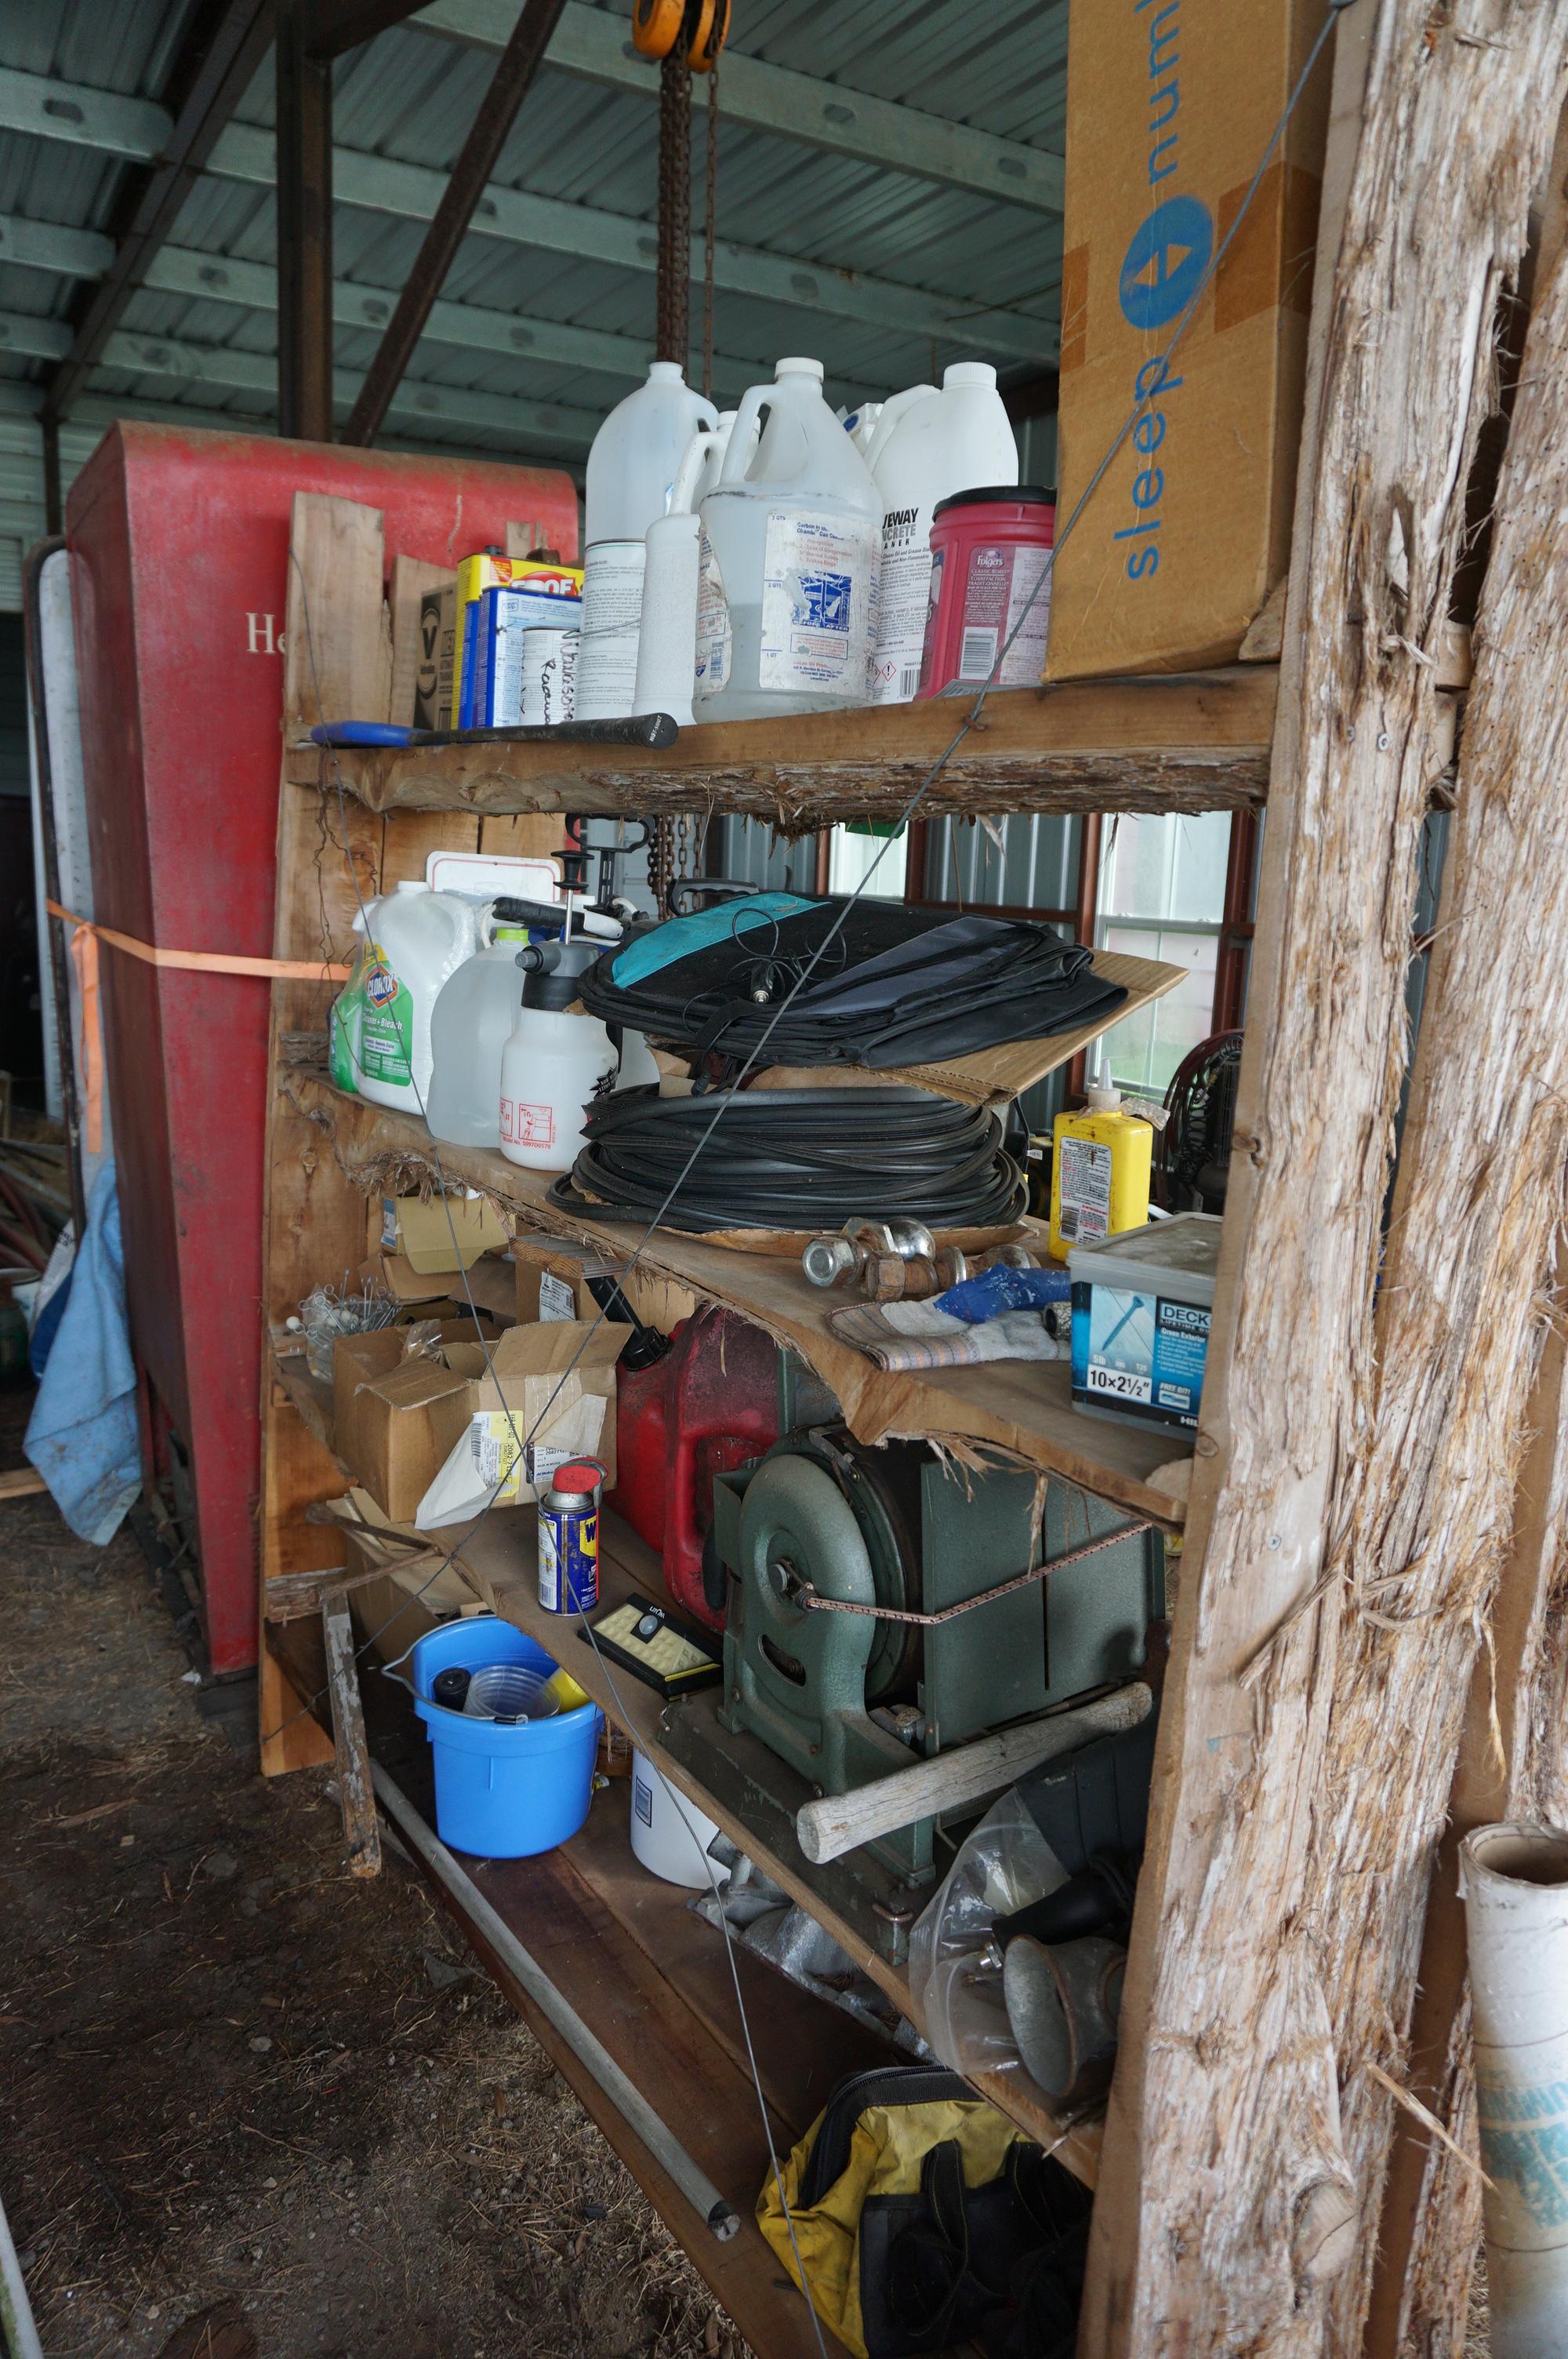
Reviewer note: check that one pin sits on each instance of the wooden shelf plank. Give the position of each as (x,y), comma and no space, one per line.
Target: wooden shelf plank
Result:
(1191,741)
(1024,1408)
(653,1985)
(499,1558)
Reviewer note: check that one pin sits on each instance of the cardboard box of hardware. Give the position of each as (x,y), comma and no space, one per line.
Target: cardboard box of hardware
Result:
(1170,108)
(549,1391)
(361,1360)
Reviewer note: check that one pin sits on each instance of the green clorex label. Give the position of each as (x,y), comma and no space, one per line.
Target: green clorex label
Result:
(373,1025)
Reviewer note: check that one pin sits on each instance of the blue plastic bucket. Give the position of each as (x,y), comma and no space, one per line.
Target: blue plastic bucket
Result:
(501,1792)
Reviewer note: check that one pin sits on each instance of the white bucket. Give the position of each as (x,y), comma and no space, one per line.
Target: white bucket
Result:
(669,1835)
(1514,1881)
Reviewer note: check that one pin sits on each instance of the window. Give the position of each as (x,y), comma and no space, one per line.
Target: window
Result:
(1162,896)
(849,863)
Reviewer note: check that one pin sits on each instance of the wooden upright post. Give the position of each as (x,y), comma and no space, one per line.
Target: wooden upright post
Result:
(1353,1485)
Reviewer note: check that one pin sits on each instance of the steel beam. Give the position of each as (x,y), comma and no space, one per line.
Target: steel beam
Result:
(85,117)
(303,164)
(340,24)
(252,286)
(208,83)
(497,113)
(592,45)
(255,374)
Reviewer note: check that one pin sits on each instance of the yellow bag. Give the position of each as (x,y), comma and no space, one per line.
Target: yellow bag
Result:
(914,2206)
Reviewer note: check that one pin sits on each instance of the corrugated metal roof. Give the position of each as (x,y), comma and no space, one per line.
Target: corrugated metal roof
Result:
(408,98)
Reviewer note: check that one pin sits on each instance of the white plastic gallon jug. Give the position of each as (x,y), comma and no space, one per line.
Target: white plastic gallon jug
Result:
(552,1062)
(666,647)
(381,1022)
(792,542)
(925,447)
(469,1027)
(632,464)
(632,470)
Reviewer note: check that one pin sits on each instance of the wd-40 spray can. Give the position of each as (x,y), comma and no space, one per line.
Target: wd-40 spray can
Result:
(568,1539)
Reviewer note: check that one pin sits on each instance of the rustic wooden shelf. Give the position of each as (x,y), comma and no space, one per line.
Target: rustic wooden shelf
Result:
(1018,1407)
(499,1561)
(652,1983)
(1194,742)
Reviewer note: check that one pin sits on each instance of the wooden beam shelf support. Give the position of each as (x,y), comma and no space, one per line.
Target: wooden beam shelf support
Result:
(1195,742)
(1021,1409)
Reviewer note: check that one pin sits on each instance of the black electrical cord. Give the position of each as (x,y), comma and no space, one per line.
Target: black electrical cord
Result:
(795,1159)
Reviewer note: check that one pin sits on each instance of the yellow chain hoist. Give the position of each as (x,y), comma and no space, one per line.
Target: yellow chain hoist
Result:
(694,29)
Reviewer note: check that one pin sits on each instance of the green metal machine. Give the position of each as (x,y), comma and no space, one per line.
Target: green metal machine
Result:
(820,1701)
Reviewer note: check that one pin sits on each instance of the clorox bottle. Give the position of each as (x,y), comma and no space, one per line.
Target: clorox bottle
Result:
(412,940)
(791,549)
(924,446)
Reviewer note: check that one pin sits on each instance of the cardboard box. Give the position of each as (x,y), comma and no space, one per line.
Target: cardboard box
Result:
(423,1233)
(1170,107)
(530,1395)
(553,586)
(403,1429)
(433,691)
(552,1279)
(359,1361)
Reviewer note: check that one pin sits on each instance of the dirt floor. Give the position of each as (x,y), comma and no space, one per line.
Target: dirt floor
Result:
(254,2109)
(252,2106)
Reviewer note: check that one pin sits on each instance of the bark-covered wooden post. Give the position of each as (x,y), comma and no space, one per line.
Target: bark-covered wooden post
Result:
(1354,1486)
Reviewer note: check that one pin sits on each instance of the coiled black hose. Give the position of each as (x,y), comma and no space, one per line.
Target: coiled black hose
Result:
(794,1159)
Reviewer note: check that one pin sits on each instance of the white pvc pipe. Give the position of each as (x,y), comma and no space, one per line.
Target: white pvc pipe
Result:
(1514,1881)
(19,2335)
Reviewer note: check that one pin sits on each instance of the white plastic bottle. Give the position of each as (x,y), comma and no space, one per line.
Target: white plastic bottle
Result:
(632,470)
(632,464)
(552,1062)
(926,446)
(381,1028)
(468,1031)
(792,542)
(666,648)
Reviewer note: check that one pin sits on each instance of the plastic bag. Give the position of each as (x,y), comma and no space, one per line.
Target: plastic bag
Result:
(1004,1866)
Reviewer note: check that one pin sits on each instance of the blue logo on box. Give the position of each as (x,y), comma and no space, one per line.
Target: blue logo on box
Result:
(1165,263)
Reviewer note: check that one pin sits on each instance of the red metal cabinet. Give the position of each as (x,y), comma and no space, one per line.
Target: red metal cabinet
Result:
(179,550)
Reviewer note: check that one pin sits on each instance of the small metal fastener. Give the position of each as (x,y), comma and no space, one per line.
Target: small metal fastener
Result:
(891,1916)
(1384,742)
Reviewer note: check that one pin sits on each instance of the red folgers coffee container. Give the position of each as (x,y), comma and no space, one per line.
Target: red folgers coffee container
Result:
(989,549)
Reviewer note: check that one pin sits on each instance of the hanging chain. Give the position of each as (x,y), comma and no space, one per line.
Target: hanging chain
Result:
(673,331)
(710,229)
(661,860)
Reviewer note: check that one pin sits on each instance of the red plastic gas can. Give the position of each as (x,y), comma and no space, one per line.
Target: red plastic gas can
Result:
(703,1409)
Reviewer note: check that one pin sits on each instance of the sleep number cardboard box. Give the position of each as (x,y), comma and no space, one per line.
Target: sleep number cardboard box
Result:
(1170,107)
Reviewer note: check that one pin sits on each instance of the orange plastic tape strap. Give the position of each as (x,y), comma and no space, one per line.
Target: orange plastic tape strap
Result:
(84,941)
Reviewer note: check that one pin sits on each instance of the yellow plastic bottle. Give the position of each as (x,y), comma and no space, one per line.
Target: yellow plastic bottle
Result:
(1100,1173)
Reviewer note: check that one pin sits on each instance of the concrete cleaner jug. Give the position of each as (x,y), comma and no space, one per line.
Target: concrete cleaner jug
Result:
(411,941)
(924,446)
(790,553)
